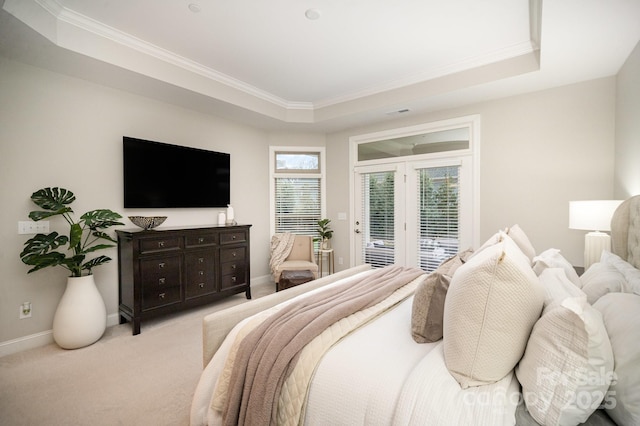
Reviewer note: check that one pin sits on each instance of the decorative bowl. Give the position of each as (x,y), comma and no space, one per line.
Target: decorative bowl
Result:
(147,222)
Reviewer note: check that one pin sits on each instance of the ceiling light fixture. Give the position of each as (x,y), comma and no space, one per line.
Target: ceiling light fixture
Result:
(312,14)
(195,8)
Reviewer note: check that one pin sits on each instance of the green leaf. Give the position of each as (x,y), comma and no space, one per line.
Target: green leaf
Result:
(43,260)
(52,199)
(97,247)
(95,262)
(39,215)
(41,244)
(105,236)
(102,218)
(75,235)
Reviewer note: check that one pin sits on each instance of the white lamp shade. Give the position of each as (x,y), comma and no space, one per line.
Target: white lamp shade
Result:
(593,215)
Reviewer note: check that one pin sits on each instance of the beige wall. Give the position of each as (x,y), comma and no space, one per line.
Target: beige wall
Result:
(60,131)
(627,167)
(538,152)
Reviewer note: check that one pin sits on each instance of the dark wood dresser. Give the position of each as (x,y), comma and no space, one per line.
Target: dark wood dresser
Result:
(168,270)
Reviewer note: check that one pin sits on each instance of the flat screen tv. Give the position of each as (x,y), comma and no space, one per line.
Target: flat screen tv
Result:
(160,175)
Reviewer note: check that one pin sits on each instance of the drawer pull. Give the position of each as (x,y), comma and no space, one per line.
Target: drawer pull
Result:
(201,273)
(201,240)
(161,265)
(201,260)
(160,244)
(201,285)
(233,266)
(233,279)
(233,237)
(234,254)
(161,295)
(162,281)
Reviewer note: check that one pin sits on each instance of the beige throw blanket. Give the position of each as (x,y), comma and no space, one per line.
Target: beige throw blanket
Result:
(269,353)
(281,245)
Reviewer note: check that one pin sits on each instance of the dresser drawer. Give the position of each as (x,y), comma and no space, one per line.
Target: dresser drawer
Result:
(227,268)
(232,254)
(200,274)
(161,272)
(201,239)
(156,297)
(233,237)
(152,245)
(232,280)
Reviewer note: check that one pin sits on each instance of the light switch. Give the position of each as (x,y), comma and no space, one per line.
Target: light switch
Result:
(30,227)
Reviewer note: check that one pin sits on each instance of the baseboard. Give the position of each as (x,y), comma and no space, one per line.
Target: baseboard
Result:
(260,281)
(45,337)
(27,342)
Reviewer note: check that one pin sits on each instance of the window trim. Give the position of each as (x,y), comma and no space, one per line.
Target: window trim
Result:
(273,175)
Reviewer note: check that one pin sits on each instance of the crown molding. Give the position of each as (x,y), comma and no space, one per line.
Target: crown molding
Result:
(81,34)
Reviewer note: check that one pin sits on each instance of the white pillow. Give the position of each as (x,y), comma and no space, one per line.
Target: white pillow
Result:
(610,275)
(521,239)
(621,314)
(567,366)
(557,286)
(492,303)
(628,271)
(600,279)
(551,258)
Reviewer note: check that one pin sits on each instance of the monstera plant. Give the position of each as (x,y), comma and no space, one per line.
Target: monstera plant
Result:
(81,315)
(86,236)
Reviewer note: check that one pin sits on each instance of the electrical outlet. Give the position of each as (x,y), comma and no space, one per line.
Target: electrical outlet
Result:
(340,261)
(30,227)
(25,310)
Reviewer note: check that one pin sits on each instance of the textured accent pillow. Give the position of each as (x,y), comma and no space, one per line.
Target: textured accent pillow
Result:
(567,367)
(551,258)
(621,315)
(427,310)
(428,302)
(492,303)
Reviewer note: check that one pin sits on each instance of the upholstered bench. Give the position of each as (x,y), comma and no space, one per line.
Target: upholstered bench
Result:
(293,278)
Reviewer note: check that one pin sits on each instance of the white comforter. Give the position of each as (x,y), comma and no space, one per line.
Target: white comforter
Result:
(379,376)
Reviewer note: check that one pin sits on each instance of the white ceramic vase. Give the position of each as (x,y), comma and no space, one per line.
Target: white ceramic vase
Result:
(81,317)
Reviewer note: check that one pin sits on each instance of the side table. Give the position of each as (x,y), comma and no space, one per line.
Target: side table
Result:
(330,261)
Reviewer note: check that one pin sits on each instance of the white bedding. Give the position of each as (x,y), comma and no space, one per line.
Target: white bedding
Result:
(398,382)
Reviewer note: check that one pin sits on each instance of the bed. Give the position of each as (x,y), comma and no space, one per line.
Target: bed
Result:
(500,335)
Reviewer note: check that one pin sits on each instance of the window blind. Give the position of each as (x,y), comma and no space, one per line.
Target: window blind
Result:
(438,216)
(297,205)
(378,225)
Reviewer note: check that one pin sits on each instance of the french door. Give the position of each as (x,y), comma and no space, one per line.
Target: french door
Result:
(414,213)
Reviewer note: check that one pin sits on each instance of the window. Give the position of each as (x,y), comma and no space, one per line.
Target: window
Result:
(297,189)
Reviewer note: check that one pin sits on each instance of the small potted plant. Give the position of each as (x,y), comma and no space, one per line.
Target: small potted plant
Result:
(325,233)
(80,318)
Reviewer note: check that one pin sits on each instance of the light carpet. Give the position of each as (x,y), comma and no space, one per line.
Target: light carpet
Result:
(148,379)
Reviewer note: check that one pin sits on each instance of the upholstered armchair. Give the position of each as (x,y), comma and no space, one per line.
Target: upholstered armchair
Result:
(301,258)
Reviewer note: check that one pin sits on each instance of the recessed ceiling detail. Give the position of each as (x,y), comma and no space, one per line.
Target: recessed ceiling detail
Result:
(357,59)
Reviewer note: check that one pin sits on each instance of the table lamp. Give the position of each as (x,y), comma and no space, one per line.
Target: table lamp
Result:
(594,216)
